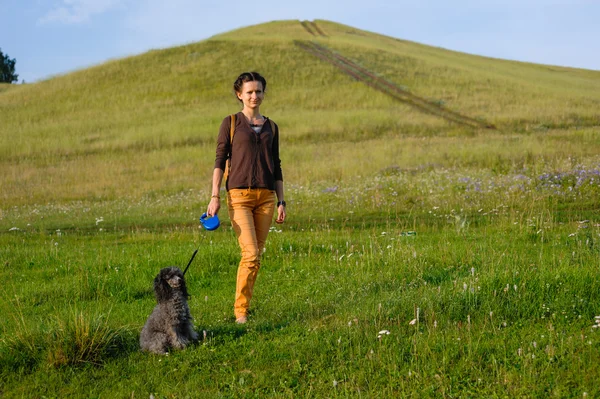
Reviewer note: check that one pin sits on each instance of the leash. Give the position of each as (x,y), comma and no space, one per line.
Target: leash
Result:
(190,262)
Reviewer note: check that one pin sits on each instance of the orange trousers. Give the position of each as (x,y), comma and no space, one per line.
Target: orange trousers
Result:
(251,213)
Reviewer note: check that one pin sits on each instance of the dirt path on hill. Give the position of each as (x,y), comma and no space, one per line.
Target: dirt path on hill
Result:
(391,89)
(312,28)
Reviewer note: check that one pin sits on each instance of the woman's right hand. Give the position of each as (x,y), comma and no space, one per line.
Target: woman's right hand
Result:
(213,207)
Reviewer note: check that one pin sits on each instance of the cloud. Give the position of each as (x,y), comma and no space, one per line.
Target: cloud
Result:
(73,12)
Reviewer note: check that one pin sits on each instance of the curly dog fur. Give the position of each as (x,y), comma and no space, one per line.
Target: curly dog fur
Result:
(170,325)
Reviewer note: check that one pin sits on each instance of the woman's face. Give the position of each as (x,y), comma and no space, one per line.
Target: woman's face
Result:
(252,94)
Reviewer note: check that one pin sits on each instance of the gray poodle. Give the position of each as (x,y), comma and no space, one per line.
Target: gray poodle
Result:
(170,324)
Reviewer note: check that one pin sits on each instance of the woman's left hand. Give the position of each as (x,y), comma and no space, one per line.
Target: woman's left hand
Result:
(280,214)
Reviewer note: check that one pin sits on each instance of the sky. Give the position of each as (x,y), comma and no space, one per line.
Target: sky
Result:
(54,37)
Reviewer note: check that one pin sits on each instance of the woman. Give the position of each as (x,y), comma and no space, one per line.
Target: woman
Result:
(253,181)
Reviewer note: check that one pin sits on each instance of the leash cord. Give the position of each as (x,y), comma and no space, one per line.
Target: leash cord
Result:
(190,262)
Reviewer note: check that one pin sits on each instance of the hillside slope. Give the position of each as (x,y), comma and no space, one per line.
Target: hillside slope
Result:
(136,118)
(503,92)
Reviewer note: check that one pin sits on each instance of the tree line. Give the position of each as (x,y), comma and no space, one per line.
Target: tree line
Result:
(7,69)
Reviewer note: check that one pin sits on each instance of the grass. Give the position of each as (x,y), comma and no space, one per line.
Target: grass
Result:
(502,296)
(504,306)
(420,258)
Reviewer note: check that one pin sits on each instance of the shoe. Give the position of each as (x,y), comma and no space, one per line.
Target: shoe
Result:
(241,320)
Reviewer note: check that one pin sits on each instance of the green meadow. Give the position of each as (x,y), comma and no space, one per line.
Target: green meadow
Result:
(421,257)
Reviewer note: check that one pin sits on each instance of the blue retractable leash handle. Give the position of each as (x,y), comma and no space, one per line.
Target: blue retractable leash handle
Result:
(209,224)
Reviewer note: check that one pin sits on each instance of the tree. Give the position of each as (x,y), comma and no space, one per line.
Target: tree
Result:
(7,69)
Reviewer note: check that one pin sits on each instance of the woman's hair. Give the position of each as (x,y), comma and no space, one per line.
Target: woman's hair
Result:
(248,77)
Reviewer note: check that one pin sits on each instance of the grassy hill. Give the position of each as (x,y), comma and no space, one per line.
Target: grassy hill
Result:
(159,111)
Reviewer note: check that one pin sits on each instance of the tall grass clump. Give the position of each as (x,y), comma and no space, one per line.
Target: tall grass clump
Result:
(77,340)
(82,340)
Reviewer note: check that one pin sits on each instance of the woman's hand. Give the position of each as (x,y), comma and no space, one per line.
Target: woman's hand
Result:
(280,214)
(215,200)
(280,202)
(213,207)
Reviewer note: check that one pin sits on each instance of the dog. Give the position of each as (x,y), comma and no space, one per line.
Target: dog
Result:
(170,325)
